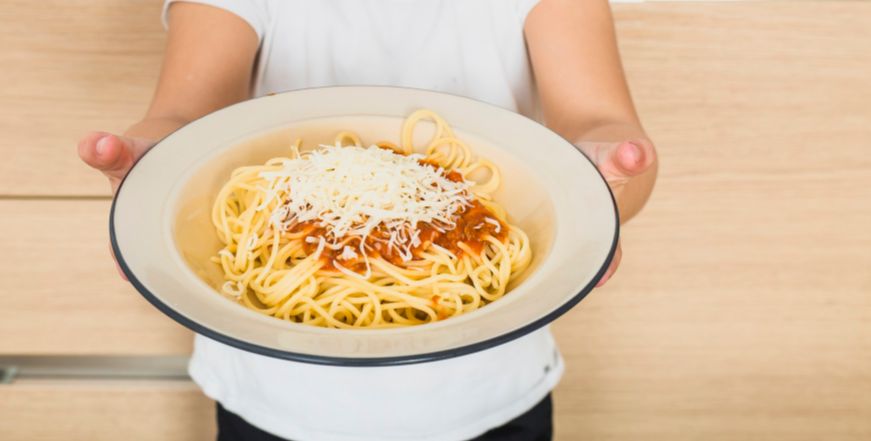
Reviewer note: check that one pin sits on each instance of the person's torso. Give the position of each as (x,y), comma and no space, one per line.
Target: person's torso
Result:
(465,47)
(473,48)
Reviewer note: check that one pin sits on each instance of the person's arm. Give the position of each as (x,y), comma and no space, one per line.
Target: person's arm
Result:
(584,96)
(207,65)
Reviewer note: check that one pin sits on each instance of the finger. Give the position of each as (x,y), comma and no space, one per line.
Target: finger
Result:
(631,158)
(87,149)
(117,265)
(619,161)
(612,268)
(113,155)
(120,273)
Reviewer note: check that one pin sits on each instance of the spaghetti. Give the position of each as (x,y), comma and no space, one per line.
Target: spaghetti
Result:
(346,236)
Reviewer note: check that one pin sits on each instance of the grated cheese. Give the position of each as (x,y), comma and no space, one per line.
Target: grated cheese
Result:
(493,222)
(348,253)
(350,191)
(234,289)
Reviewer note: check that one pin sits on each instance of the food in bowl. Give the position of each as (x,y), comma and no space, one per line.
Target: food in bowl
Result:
(382,235)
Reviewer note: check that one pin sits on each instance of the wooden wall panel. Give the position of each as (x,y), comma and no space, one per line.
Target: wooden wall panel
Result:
(105,411)
(70,66)
(61,293)
(741,310)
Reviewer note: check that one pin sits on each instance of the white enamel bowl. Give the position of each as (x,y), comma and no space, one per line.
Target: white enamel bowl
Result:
(162,234)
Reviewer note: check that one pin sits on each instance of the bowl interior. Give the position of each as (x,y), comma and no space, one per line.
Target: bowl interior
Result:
(193,234)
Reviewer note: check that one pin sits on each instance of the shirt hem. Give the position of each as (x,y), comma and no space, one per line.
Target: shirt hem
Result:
(262,420)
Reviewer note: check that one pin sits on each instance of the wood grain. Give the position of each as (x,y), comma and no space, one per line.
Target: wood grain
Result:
(741,310)
(105,410)
(61,293)
(70,66)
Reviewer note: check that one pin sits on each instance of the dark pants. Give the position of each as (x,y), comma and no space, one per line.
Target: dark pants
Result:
(534,425)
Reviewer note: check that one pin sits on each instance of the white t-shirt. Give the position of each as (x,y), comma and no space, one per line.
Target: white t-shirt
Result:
(474,48)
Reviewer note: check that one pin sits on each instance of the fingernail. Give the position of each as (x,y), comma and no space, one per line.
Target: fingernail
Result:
(634,153)
(101,145)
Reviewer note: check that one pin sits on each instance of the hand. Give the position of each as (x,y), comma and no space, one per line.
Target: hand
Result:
(619,162)
(114,156)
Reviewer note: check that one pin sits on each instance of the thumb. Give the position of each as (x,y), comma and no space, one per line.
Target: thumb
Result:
(620,161)
(113,155)
(631,158)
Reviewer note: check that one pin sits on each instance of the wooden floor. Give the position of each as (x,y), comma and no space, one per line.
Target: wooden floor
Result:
(742,310)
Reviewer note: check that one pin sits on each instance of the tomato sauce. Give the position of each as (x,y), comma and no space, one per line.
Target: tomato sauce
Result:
(472,229)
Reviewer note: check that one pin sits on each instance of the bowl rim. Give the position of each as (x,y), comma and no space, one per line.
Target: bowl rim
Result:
(364,361)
